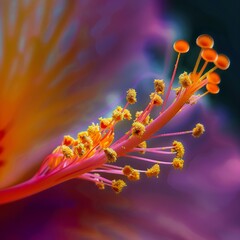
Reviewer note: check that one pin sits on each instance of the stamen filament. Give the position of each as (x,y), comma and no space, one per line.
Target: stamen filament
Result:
(152,150)
(148,160)
(202,69)
(171,82)
(197,63)
(171,134)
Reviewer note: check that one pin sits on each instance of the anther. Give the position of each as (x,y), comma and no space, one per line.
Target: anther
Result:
(184,80)
(111,155)
(178,148)
(67,151)
(68,140)
(117,114)
(131,173)
(118,185)
(79,149)
(131,96)
(157,100)
(159,86)
(178,163)
(138,129)
(198,130)
(100,185)
(153,171)
(105,122)
(126,114)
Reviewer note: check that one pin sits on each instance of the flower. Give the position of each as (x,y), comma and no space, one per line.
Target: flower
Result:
(87,156)
(76,210)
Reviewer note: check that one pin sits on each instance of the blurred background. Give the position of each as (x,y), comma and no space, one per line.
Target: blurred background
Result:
(66,63)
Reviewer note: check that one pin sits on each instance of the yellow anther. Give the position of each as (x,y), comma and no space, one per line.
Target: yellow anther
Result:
(198,130)
(134,176)
(127,170)
(93,129)
(68,140)
(178,148)
(100,185)
(131,173)
(118,185)
(111,155)
(117,114)
(67,151)
(105,122)
(126,114)
(184,80)
(94,132)
(153,171)
(138,129)
(157,100)
(178,163)
(177,90)
(142,145)
(131,96)
(79,150)
(82,136)
(159,86)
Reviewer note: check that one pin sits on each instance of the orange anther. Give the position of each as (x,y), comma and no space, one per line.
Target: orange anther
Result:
(209,55)
(205,41)
(222,62)
(181,46)
(212,88)
(214,78)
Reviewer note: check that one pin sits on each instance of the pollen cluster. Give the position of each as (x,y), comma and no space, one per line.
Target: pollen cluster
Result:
(131,96)
(159,86)
(178,148)
(153,171)
(118,185)
(131,173)
(184,80)
(138,129)
(178,163)
(111,155)
(198,130)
